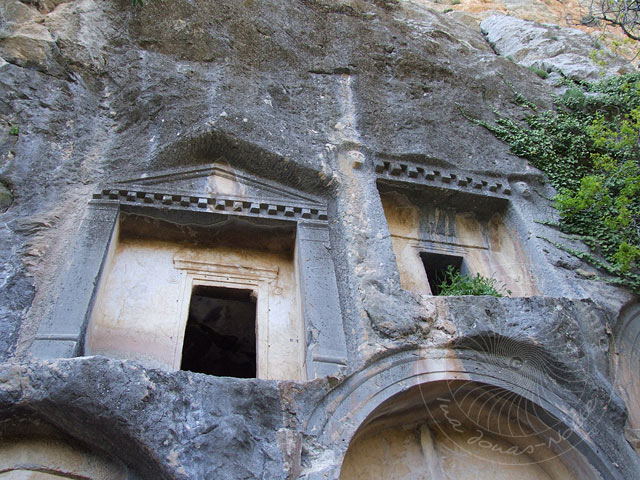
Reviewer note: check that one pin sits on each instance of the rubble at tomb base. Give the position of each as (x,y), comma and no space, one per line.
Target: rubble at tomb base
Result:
(223,228)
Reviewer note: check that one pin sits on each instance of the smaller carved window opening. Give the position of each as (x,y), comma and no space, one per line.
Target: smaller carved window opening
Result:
(436,265)
(449,222)
(220,335)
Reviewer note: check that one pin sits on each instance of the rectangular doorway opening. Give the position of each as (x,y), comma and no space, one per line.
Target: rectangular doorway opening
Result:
(220,336)
(436,264)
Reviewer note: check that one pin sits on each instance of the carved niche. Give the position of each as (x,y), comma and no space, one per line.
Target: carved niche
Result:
(152,244)
(439,218)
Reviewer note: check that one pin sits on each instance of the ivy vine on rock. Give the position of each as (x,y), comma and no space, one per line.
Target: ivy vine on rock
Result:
(589,148)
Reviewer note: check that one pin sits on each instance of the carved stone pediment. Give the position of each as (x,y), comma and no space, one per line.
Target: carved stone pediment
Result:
(407,172)
(216,187)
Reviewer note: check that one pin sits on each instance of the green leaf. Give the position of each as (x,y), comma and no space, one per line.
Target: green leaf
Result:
(589,148)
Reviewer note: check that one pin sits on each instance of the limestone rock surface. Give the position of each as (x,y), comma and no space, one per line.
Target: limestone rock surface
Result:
(571,52)
(189,417)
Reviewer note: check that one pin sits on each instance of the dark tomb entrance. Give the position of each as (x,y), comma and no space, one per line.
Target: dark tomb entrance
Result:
(220,337)
(436,264)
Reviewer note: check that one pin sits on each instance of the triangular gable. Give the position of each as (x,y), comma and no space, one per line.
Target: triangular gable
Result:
(217,180)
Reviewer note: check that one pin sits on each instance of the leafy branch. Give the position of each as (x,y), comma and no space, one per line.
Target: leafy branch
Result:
(454,283)
(621,13)
(589,147)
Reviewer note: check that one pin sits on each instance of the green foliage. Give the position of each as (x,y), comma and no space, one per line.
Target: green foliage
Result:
(14,130)
(541,72)
(454,283)
(590,149)
(598,56)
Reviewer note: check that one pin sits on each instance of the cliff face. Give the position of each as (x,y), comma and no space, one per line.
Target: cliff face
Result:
(571,14)
(318,96)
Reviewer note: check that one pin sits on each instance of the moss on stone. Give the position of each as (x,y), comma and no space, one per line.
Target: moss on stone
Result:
(6,197)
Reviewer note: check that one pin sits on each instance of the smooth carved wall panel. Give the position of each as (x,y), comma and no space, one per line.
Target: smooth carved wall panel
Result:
(142,305)
(483,240)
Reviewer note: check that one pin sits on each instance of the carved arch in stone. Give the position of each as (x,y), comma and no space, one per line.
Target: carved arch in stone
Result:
(33,451)
(626,365)
(64,437)
(44,458)
(417,376)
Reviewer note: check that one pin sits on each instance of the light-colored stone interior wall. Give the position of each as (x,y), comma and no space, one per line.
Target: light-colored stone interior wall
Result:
(464,431)
(419,452)
(486,244)
(142,304)
(50,458)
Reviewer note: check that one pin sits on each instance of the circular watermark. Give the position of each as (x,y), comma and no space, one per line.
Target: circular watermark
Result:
(498,413)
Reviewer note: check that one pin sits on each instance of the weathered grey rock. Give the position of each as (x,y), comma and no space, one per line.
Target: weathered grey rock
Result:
(571,52)
(24,39)
(187,417)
